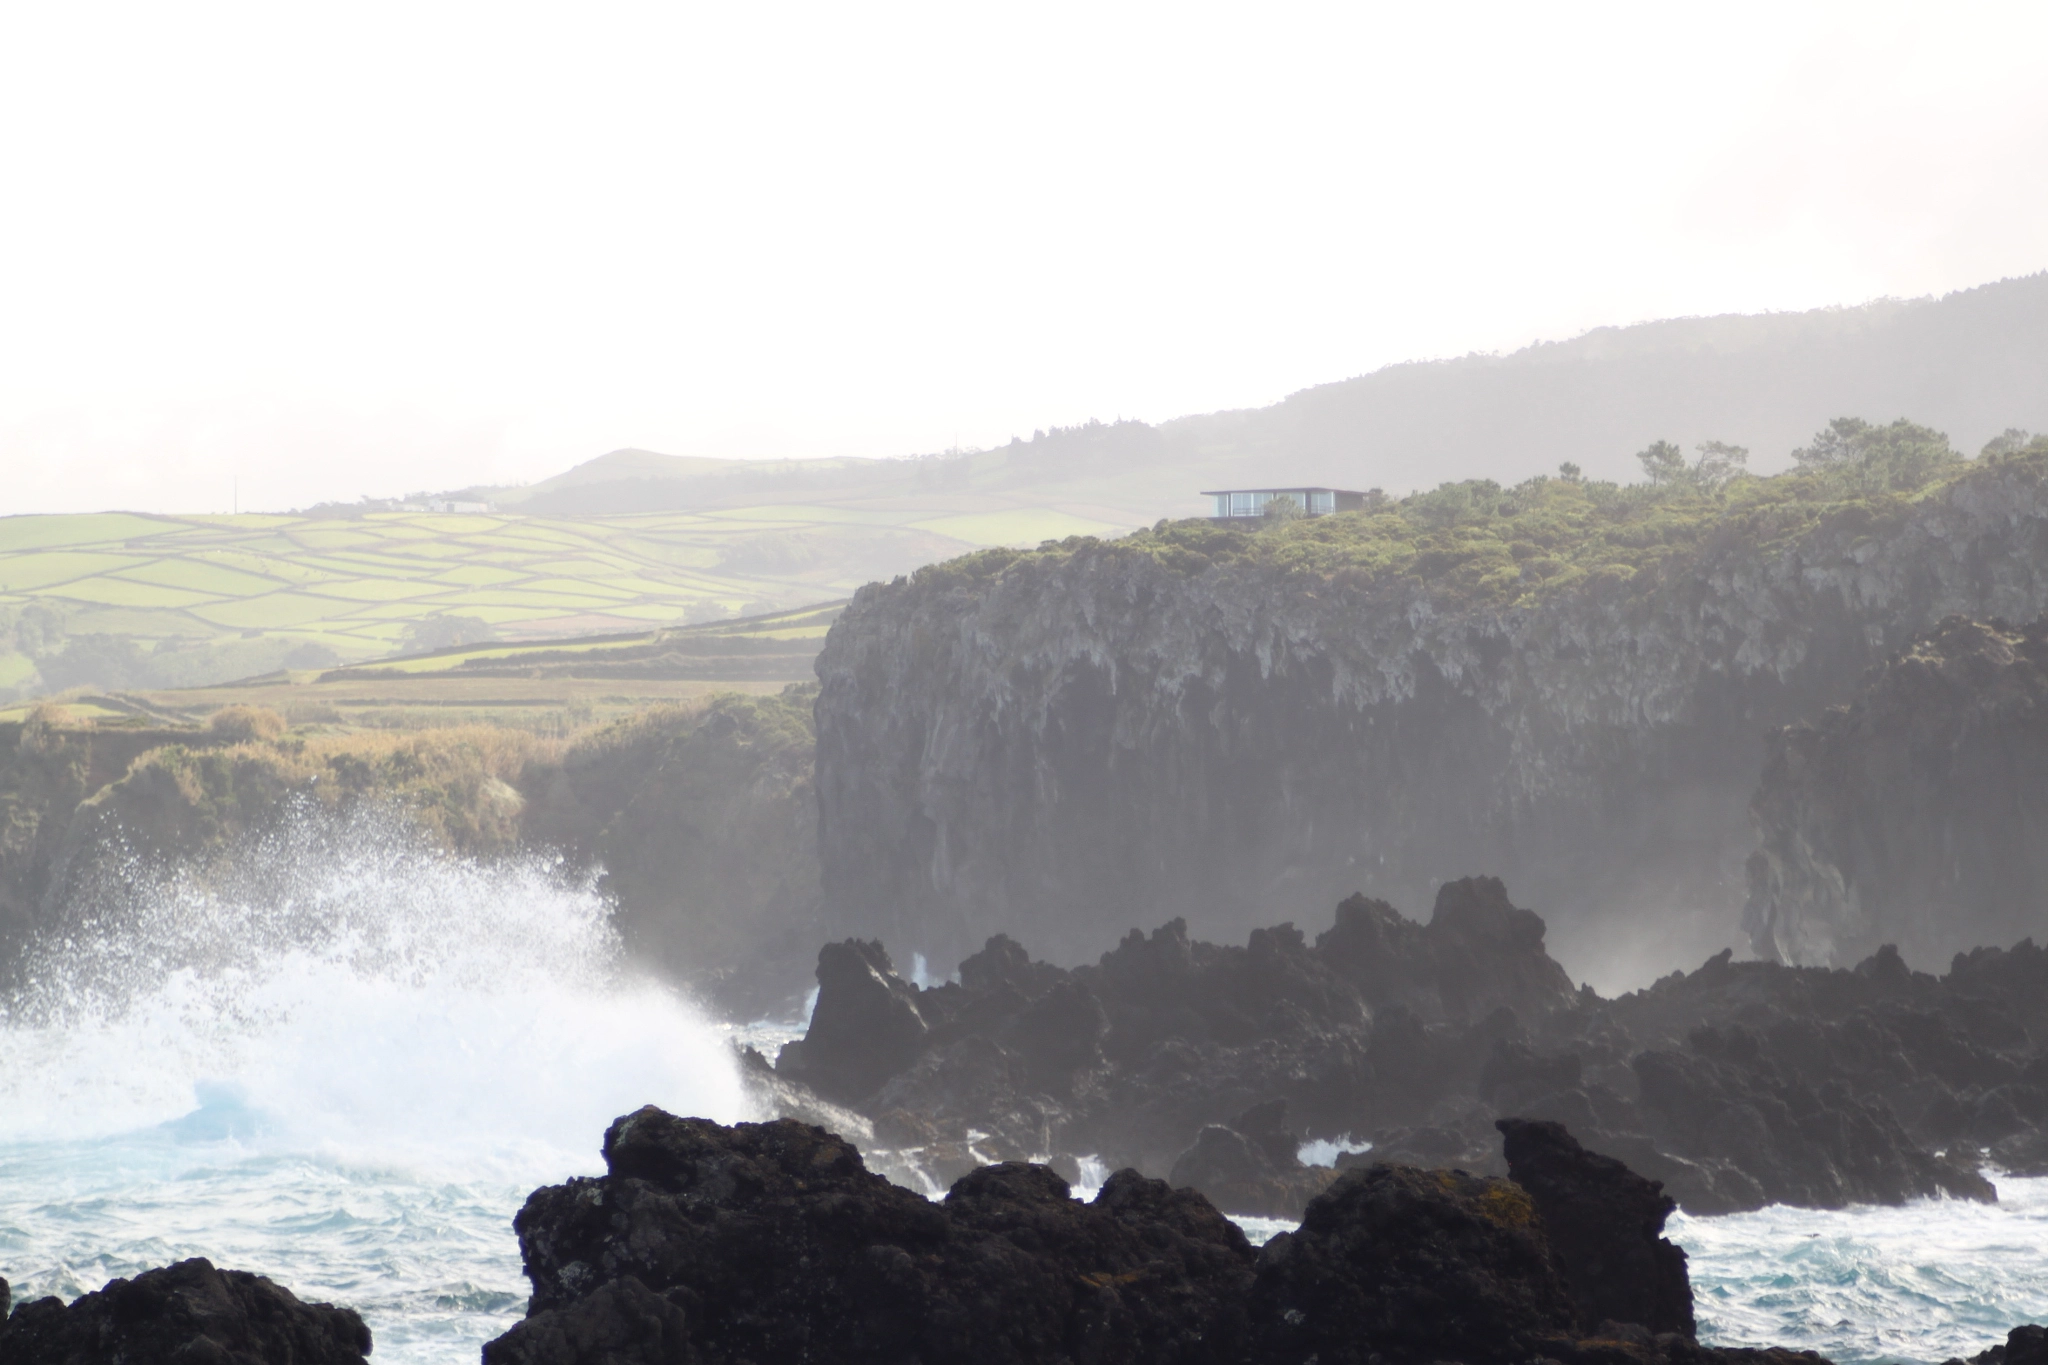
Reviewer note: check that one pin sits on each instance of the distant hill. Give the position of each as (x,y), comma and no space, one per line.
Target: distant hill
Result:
(634,539)
(1970,364)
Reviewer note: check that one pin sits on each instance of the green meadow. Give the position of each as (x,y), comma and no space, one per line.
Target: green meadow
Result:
(360,586)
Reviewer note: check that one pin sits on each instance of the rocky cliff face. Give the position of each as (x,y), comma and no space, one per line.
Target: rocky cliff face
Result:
(1917,815)
(1065,744)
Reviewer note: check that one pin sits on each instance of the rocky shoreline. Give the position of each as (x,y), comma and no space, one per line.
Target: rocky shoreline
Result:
(705,1244)
(1738,1085)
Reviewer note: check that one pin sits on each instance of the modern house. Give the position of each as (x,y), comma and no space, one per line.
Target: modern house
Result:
(1236,504)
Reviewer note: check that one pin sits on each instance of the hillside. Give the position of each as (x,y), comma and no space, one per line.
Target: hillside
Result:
(1566,683)
(1968,364)
(635,538)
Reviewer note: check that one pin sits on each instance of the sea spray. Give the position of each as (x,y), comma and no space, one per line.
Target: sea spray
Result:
(334,1054)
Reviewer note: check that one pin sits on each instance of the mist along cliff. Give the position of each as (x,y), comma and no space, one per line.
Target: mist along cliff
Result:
(700,820)
(1918,814)
(1565,683)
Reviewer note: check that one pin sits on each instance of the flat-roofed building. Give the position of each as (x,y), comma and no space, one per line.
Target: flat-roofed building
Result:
(1238,504)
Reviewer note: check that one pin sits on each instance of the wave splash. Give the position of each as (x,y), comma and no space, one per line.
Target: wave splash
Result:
(336,1055)
(339,980)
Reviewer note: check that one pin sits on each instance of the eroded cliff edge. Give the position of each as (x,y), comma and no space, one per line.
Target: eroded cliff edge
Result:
(1917,814)
(1235,728)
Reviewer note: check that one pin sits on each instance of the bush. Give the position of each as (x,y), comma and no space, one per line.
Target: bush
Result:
(245,724)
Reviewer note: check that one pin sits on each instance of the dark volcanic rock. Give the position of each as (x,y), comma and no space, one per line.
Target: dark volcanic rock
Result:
(708,1245)
(1737,1085)
(865,1028)
(621,1322)
(1916,815)
(1408,1265)
(2026,1345)
(774,1243)
(1252,1166)
(1381,1022)
(1604,1225)
(185,1314)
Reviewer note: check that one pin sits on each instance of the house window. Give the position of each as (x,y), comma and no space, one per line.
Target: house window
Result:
(1322,501)
(1241,505)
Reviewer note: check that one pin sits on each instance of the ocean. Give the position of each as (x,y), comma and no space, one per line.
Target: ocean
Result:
(343,1059)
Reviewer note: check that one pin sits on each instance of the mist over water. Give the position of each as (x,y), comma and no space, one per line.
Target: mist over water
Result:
(342,1058)
(336,1056)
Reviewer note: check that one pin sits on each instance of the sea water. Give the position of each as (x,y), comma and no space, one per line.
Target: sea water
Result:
(342,1059)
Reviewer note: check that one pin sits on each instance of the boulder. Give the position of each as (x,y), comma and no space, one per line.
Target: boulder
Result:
(188,1313)
(709,1245)
(865,1027)
(1397,1265)
(773,1242)
(1603,1223)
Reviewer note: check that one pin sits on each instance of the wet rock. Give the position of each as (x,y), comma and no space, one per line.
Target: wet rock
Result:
(1252,1166)
(186,1313)
(774,1243)
(2026,1345)
(1408,1265)
(1736,1085)
(1133,1056)
(769,1242)
(865,1028)
(621,1322)
(1604,1226)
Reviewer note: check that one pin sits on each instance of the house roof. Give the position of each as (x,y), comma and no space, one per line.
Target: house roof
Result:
(1284,488)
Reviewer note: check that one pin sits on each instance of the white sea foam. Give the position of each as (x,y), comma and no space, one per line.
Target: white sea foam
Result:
(1931,1280)
(343,1059)
(339,1057)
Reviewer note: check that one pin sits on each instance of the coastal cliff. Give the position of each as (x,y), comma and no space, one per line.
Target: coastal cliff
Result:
(1915,815)
(1564,683)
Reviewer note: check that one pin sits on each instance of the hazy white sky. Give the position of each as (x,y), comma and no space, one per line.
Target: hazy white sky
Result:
(366,248)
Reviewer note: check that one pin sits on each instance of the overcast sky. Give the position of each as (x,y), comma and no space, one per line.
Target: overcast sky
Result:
(347,249)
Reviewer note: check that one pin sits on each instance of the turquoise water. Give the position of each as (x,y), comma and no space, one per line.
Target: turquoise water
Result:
(1925,1282)
(344,1066)
(347,1065)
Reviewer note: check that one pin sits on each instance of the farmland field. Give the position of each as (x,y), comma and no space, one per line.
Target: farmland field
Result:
(553,687)
(359,585)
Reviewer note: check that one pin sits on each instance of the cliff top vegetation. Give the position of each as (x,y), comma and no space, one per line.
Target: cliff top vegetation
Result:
(1479,544)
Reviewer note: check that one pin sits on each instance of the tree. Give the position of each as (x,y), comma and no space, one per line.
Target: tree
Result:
(1717,463)
(445,632)
(1713,464)
(1663,462)
(2011,441)
(1857,457)
(1570,472)
(1283,507)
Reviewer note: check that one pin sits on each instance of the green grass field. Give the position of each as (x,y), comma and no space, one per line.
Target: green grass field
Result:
(357,585)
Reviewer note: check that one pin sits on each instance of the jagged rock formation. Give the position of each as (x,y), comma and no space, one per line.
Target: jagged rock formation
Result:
(179,1315)
(1134,1056)
(713,1246)
(1603,1223)
(1738,1085)
(1916,815)
(1011,744)
(773,1242)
